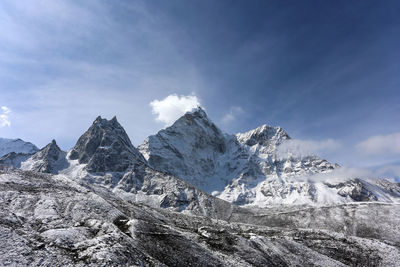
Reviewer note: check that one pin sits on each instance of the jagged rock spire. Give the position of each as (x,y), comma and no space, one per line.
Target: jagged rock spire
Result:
(105,146)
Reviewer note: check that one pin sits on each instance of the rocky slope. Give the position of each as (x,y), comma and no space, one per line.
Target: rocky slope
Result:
(251,168)
(16,146)
(49,220)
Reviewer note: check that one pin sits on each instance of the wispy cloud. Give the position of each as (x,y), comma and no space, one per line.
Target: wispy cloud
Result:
(340,174)
(232,114)
(58,69)
(389,171)
(299,148)
(4,116)
(380,145)
(173,106)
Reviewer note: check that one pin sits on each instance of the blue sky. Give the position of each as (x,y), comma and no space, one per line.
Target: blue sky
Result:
(326,71)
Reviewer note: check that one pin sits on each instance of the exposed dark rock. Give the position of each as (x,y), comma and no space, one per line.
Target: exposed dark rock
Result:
(50,159)
(105,147)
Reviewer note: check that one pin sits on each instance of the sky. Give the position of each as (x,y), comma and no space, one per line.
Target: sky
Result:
(328,72)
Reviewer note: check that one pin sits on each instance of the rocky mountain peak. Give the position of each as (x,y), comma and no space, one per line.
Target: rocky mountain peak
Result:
(195,121)
(190,148)
(105,146)
(197,112)
(52,150)
(49,159)
(263,135)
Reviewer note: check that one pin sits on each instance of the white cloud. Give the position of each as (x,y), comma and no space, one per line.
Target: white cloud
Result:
(296,147)
(389,171)
(4,116)
(173,106)
(232,114)
(340,174)
(380,145)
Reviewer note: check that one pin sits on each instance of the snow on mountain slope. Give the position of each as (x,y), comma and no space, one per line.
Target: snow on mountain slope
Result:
(249,168)
(49,220)
(194,149)
(50,159)
(17,146)
(14,159)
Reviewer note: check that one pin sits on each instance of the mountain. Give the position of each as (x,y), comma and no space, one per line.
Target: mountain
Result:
(50,159)
(105,146)
(251,168)
(16,146)
(194,149)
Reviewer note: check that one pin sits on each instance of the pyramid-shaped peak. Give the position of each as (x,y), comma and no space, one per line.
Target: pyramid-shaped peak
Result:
(195,123)
(50,159)
(51,150)
(105,146)
(51,146)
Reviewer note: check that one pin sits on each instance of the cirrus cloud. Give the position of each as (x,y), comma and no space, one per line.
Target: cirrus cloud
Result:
(173,106)
(233,113)
(300,148)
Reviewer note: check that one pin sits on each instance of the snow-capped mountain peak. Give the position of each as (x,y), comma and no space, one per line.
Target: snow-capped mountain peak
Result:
(190,149)
(17,146)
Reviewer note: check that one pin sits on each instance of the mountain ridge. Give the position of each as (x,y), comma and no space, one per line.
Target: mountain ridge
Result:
(246,168)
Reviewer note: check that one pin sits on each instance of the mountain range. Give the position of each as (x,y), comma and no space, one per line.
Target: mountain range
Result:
(246,169)
(219,195)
